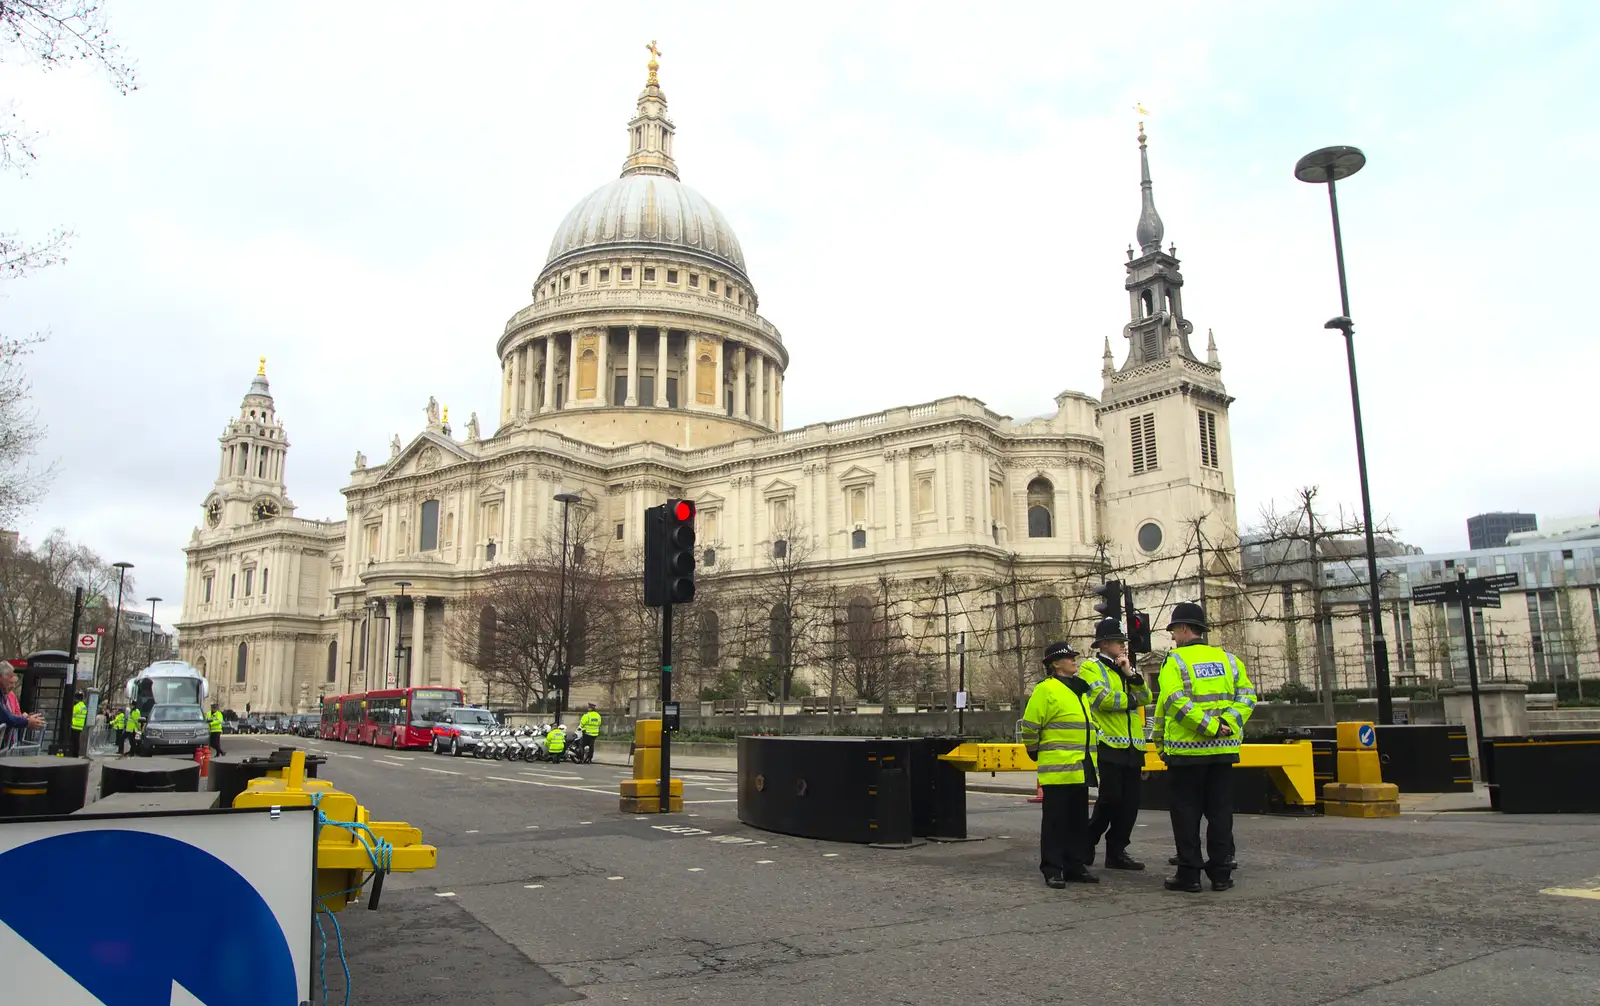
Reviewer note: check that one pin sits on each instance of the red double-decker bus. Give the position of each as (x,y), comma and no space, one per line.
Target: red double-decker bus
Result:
(403,717)
(332,726)
(352,715)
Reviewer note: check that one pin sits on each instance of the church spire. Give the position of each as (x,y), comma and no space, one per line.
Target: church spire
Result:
(1150,228)
(650,131)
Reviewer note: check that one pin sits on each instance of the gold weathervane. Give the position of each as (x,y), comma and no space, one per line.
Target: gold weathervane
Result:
(653,66)
(1141,111)
(261,371)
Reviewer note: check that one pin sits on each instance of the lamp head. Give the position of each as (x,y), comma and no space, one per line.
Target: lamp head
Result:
(1341,323)
(1330,164)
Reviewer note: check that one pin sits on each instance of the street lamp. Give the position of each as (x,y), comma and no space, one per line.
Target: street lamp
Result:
(116,624)
(566,500)
(150,650)
(399,650)
(1327,166)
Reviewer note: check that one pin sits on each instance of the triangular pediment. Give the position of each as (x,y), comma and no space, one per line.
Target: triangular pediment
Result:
(778,487)
(429,451)
(856,473)
(707,500)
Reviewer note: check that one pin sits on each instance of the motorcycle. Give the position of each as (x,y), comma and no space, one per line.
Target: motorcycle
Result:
(528,742)
(580,748)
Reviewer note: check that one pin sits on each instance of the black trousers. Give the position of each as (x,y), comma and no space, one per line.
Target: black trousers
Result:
(72,743)
(1116,809)
(1063,829)
(1195,791)
(216,743)
(122,740)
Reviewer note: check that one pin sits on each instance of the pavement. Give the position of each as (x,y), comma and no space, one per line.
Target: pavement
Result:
(544,893)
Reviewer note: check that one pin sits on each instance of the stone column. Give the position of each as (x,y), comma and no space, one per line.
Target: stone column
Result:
(508,407)
(530,393)
(718,392)
(570,388)
(661,367)
(777,398)
(739,409)
(691,349)
(633,366)
(602,374)
(549,398)
(759,413)
(417,668)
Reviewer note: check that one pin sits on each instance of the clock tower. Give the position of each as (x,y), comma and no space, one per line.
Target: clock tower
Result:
(250,486)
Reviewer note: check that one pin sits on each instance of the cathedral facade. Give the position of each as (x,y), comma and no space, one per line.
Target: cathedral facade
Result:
(642,369)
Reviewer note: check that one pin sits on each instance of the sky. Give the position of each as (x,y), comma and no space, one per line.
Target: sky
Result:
(933,199)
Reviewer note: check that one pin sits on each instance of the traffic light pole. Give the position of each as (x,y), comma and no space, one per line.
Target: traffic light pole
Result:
(666,696)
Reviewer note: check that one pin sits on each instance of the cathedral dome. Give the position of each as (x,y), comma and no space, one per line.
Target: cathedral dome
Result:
(648,212)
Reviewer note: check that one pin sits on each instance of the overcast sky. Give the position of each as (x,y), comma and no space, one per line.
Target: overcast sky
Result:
(929,203)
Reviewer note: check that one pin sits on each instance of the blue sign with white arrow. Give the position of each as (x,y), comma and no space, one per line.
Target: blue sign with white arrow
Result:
(1367,736)
(196,910)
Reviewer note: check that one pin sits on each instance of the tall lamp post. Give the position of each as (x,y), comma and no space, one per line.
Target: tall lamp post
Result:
(566,500)
(150,650)
(116,622)
(1325,167)
(399,648)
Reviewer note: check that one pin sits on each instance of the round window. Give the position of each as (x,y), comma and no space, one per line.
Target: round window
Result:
(1150,536)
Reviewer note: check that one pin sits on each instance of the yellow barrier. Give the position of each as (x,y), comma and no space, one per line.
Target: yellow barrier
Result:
(642,793)
(1289,765)
(342,861)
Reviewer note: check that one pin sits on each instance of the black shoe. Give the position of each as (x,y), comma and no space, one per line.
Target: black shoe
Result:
(1221,883)
(1057,881)
(1172,860)
(1081,878)
(1123,862)
(1186,886)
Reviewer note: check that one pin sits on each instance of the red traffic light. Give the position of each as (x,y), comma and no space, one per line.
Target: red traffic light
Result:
(684,511)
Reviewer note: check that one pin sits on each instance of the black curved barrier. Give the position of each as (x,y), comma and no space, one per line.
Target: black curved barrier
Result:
(149,775)
(877,790)
(1543,775)
(39,784)
(1418,758)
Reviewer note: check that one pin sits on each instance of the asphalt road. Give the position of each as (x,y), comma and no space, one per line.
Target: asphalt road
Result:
(545,893)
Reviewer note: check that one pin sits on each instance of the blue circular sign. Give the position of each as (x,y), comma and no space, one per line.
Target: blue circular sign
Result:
(171,913)
(1367,736)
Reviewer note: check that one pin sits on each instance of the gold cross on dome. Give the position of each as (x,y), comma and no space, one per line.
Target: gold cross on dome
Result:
(654,52)
(653,65)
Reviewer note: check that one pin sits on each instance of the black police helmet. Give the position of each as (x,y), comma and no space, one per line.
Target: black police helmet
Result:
(1056,651)
(1108,629)
(1190,614)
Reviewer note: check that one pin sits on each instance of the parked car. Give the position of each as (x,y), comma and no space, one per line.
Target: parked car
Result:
(305,724)
(251,724)
(459,729)
(175,728)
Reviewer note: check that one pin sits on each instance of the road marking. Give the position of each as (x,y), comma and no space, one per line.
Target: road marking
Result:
(613,878)
(356,757)
(441,771)
(405,757)
(680,829)
(531,827)
(444,894)
(722,789)
(639,819)
(830,855)
(586,822)
(731,800)
(472,831)
(697,869)
(550,775)
(763,862)
(532,887)
(1591,892)
(553,785)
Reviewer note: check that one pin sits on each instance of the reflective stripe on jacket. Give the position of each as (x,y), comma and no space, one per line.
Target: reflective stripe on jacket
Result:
(1117,711)
(589,723)
(80,716)
(1056,725)
(1202,686)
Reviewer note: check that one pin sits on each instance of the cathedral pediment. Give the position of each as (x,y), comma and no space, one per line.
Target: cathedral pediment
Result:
(778,487)
(427,452)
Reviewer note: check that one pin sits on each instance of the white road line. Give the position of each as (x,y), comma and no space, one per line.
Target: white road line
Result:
(532,887)
(763,862)
(441,771)
(697,869)
(531,827)
(613,878)
(830,855)
(385,761)
(730,800)
(472,831)
(356,757)
(444,894)
(553,785)
(550,775)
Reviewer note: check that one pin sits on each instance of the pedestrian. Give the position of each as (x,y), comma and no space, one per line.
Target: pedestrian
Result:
(80,719)
(589,731)
(119,726)
(1117,697)
(12,717)
(214,725)
(1058,734)
(1206,699)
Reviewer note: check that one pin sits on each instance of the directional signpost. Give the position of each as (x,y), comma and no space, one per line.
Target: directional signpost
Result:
(1477,592)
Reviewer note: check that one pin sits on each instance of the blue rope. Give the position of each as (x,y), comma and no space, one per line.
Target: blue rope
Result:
(380,851)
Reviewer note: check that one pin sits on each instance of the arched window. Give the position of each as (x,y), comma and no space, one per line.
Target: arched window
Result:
(450,527)
(428,526)
(1046,620)
(1146,303)
(1041,508)
(488,629)
(243,663)
(710,639)
(264,572)
(780,635)
(333,660)
(588,373)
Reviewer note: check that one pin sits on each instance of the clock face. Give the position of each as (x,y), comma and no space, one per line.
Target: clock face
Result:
(265,510)
(214,512)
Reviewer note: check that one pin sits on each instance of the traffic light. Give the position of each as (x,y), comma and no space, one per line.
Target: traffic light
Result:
(1110,604)
(669,553)
(1139,631)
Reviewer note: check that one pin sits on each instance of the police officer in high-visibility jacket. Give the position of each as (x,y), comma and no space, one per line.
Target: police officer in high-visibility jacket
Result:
(589,730)
(135,721)
(1058,734)
(119,726)
(80,719)
(1205,700)
(1117,697)
(214,728)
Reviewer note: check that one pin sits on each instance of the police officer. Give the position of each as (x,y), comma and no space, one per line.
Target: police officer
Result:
(1058,734)
(1206,699)
(589,731)
(214,727)
(119,724)
(80,719)
(1117,697)
(555,742)
(135,720)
